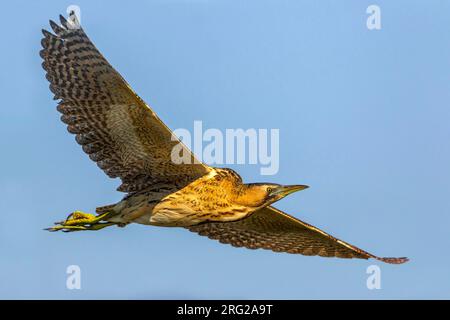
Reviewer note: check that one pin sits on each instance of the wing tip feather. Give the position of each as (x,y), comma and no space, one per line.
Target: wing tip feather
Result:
(391,260)
(63,21)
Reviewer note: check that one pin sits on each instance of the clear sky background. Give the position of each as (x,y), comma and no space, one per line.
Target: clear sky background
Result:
(364,119)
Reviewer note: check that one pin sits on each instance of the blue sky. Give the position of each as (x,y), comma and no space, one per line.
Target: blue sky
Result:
(363,117)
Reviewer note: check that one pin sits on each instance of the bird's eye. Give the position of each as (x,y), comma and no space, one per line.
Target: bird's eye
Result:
(269,190)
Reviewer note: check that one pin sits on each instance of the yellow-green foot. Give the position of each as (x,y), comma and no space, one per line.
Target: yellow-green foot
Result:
(80,221)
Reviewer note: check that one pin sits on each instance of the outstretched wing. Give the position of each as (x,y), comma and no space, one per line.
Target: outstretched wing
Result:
(112,123)
(270,228)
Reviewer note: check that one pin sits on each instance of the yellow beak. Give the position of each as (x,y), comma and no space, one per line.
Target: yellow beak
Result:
(286,190)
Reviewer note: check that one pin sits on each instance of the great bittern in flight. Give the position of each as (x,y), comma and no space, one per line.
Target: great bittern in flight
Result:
(126,139)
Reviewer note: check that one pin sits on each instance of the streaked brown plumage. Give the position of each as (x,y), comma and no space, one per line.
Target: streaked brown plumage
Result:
(127,140)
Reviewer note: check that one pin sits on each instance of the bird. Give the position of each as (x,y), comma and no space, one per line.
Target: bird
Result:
(127,140)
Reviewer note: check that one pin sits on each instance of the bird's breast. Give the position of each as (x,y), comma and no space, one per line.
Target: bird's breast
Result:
(183,215)
(206,199)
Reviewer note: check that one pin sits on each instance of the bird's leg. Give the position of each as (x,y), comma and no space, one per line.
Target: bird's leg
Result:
(93,227)
(78,221)
(77,218)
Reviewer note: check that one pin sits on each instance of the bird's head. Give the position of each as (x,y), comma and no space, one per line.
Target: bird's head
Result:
(264,194)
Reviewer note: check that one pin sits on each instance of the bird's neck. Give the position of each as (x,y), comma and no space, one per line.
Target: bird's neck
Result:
(250,196)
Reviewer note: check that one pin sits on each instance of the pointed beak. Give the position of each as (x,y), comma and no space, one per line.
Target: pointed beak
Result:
(283,191)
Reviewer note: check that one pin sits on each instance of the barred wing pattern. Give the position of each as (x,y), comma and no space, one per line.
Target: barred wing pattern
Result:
(272,229)
(112,123)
